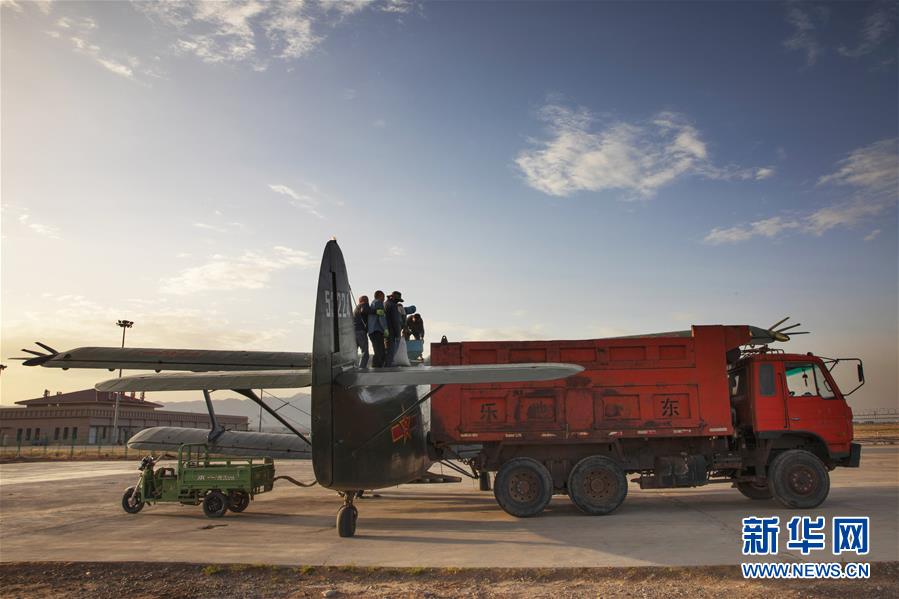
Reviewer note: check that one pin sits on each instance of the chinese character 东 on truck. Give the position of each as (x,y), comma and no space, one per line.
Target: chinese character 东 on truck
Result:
(675,409)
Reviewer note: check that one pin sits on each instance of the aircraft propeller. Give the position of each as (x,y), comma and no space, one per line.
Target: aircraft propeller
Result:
(39,357)
(762,336)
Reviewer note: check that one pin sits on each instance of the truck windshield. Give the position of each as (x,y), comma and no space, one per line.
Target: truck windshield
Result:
(805,380)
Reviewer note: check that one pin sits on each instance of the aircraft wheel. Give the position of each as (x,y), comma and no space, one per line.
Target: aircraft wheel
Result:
(346,520)
(215,504)
(523,487)
(798,479)
(597,485)
(238,501)
(754,490)
(130,506)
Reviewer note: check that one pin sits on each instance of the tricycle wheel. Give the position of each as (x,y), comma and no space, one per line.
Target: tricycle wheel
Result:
(346,520)
(132,506)
(238,501)
(215,504)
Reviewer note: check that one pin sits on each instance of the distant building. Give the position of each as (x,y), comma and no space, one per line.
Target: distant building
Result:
(85,418)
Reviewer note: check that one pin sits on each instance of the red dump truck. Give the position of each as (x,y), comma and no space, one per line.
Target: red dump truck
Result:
(677,409)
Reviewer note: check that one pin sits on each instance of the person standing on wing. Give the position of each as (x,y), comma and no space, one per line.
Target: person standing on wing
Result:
(396,321)
(360,325)
(377,327)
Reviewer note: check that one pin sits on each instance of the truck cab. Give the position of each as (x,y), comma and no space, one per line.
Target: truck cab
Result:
(792,400)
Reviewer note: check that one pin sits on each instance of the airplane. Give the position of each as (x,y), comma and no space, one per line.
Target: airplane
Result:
(367,427)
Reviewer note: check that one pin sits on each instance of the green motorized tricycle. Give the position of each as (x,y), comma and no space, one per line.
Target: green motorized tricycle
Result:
(220,484)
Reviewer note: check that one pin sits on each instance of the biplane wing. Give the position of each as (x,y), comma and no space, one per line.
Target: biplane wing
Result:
(197,381)
(230,443)
(158,359)
(448,375)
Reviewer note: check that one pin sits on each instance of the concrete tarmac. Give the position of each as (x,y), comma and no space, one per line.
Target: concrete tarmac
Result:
(70,511)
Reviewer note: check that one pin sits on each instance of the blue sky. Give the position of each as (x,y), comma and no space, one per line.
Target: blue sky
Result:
(518,170)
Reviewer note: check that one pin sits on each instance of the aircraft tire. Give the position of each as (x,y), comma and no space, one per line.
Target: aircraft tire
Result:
(131,508)
(238,501)
(215,504)
(597,485)
(523,487)
(754,490)
(346,520)
(798,479)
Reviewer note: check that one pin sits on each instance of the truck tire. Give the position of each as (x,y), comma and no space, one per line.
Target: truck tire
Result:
(128,505)
(523,487)
(798,479)
(238,501)
(215,504)
(597,485)
(754,490)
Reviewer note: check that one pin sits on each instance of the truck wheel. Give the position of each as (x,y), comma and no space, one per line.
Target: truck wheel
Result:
(132,507)
(346,520)
(754,490)
(523,487)
(798,479)
(215,504)
(238,501)
(597,485)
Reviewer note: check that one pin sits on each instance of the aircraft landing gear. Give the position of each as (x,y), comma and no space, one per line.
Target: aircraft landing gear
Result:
(347,515)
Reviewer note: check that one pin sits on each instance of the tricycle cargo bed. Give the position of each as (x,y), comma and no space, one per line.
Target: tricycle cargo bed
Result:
(668,385)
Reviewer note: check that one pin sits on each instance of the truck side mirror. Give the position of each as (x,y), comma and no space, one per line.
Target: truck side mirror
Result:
(861,373)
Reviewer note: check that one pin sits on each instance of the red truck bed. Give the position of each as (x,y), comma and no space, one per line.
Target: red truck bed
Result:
(664,385)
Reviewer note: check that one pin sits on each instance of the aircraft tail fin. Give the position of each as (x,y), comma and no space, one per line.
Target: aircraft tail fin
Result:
(333,350)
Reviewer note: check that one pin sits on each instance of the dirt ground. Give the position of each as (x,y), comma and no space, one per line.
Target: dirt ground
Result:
(138,580)
(876,432)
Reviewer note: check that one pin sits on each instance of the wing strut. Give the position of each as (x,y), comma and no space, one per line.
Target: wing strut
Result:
(387,426)
(217,429)
(251,395)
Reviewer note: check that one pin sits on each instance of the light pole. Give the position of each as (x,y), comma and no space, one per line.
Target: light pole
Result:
(125,324)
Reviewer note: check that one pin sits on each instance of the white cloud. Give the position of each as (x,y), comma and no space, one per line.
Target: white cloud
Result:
(638,158)
(208,227)
(877,28)
(396,251)
(805,21)
(305,201)
(457,332)
(873,168)
(12,5)
(872,175)
(233,32)
(252,270)
(872,235)
(81,31)
(396,6)
(764,173)
(76,320)
(44,230)
(769,227)
(379,123)
(226,228)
